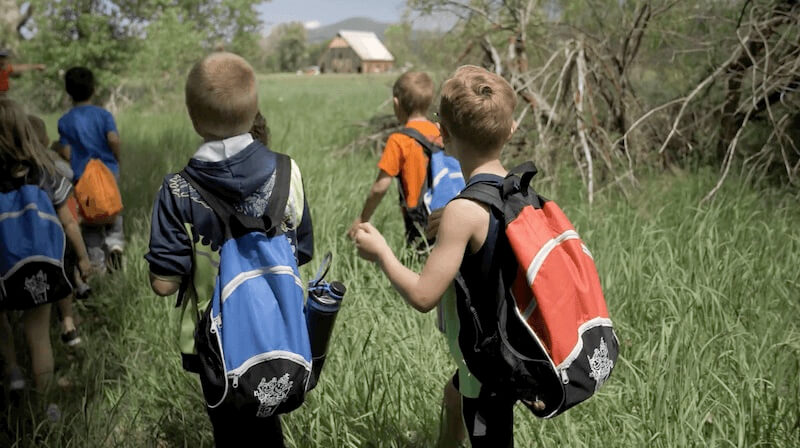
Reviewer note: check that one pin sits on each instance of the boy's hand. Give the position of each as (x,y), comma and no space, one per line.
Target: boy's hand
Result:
(370,243)
(85,267)
(351,232)
(433,224)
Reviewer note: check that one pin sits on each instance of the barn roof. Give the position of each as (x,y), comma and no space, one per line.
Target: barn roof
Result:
(366,45)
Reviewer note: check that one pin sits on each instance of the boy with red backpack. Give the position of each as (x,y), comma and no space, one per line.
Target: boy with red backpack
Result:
(508,327)
(90,141)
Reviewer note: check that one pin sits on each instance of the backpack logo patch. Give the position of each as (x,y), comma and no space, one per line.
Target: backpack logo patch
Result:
(600,364)
(37,286)
(271,394)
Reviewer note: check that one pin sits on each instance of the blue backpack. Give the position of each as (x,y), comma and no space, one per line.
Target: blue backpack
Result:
(252,340)
(32,245)
(443,182)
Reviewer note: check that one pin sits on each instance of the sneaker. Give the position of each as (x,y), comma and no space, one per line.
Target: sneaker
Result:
(114,259)
(53,413)
(16,380)
(83,291)
(71,338)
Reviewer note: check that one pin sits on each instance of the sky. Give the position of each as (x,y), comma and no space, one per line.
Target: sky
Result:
(325,12)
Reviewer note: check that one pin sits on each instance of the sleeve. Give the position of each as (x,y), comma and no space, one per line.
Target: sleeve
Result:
(392,158)
(109,125)
(305,237)
(304,232)
(170,252)
(60,189)
(62,135)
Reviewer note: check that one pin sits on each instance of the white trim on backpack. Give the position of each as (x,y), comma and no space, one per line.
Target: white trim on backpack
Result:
(548,247)
(586,326)
(31,206)
(34,258)
(237,281)
(268,356)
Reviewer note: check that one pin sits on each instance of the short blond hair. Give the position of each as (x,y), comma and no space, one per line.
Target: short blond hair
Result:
(414,92)
(221,95)
(477,106)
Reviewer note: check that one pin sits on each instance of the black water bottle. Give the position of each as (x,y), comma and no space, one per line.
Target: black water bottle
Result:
(324,301)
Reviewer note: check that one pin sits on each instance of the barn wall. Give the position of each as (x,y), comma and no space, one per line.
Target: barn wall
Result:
(339,60)
(376,66)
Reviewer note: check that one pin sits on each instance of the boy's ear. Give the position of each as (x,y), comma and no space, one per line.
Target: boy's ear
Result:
(514,126)
(396,102)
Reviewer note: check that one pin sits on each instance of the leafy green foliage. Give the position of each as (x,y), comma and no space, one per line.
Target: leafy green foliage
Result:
(124,40)
(704,301)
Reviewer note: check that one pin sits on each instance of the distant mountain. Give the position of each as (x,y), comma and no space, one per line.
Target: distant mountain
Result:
(326,32)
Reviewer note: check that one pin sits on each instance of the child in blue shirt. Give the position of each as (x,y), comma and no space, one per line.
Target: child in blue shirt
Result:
(89,132)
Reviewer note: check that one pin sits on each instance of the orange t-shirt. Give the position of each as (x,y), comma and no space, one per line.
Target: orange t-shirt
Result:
(5,73)
(403,157)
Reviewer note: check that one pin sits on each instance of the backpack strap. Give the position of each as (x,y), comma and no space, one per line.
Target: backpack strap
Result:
(485,193)
(270,222)
(428,146)
(280,191)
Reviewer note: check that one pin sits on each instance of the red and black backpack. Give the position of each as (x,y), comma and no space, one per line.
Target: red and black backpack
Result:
(546,337)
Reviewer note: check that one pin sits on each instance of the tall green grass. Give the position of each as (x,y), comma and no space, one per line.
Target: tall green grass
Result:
(705,301)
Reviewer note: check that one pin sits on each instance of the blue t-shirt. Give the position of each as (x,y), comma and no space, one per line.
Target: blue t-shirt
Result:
(85,129)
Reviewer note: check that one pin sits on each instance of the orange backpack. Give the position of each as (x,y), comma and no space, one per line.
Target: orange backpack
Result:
(97,194)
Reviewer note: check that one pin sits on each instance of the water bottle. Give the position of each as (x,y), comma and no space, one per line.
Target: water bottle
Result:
(324,301)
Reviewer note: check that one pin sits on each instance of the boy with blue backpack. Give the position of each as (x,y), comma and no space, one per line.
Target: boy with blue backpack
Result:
(428,178)
(228,233)
(529,322)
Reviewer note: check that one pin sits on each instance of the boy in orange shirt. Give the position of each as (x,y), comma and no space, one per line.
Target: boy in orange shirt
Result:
(404,157)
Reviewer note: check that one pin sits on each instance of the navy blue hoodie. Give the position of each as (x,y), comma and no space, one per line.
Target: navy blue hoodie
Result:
(186,235)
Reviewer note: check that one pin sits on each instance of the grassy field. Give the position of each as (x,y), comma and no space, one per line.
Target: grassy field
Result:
(706,302)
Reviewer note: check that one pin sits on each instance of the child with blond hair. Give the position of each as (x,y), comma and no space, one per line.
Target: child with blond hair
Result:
(186,234)
(476,121)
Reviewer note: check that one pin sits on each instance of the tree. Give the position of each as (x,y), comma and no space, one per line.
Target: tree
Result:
(291,47)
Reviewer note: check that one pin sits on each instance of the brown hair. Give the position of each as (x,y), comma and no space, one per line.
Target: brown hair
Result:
(414,92)
(260,130)
(477,106)
(221,95)
(18,141)
(40,130)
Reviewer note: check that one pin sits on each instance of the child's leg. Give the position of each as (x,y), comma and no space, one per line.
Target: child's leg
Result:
(37,333)
(231,428)
(451,427)
(489,420)
(9,353)
(69,333)
(115,243)
(93,237)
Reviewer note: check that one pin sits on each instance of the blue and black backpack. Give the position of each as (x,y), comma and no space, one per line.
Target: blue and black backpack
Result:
(443,181)
(252,340)
(31,245)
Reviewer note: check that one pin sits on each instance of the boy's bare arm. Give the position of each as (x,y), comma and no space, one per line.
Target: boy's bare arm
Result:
(20,68)
(114,143)
(163,287)
(73,233)
(461,221)
(376,193)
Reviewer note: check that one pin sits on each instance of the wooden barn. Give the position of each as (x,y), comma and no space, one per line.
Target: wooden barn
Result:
(356,52)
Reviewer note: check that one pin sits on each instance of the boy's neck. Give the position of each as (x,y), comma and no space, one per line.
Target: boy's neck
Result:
(81,103)
(473,167)
(417,117)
